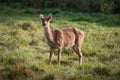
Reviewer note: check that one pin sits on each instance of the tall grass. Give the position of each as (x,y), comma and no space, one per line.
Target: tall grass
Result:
(24,51)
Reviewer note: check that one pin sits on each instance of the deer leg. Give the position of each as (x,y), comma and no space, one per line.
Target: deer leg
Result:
(59,55)
(79,53)
(80,56)
(51,53)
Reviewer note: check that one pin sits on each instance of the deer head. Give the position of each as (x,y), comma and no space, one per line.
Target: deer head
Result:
(46,20)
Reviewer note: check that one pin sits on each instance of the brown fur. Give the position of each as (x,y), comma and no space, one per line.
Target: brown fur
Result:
(62,38)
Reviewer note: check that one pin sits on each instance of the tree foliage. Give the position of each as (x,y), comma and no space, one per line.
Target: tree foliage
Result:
(106,6)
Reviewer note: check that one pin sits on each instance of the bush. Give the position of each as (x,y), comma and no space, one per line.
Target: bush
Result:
(48,11)
(107,6)
(117,73)
(20,72)
(16,5)
(28,26)
(29,11)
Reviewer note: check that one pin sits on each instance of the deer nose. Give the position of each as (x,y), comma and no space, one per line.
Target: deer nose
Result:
(44,24)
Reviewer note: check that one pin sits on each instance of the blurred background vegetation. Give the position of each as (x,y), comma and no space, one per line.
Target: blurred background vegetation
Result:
(105,6)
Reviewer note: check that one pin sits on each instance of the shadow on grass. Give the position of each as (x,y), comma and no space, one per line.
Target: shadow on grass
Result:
(63,62)
(50,77)
(104,71)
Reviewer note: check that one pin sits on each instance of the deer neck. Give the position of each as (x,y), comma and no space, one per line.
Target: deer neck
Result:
(48,33)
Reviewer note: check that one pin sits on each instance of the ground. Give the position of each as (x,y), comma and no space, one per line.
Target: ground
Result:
(24,52)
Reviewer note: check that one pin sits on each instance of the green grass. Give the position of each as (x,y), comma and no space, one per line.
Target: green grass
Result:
(24,52)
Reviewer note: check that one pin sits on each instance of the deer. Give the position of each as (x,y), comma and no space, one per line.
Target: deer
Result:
(60,39)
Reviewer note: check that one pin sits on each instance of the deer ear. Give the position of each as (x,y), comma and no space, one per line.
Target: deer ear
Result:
(41,16)
(49,17)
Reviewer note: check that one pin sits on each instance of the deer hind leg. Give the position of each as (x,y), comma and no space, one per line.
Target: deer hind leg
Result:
(79,53)
(79,45)
(51,54)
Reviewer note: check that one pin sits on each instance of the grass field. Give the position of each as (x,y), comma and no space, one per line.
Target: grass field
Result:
(24,52)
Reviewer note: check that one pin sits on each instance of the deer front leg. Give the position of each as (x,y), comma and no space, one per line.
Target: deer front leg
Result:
(51,53)
(59,55)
